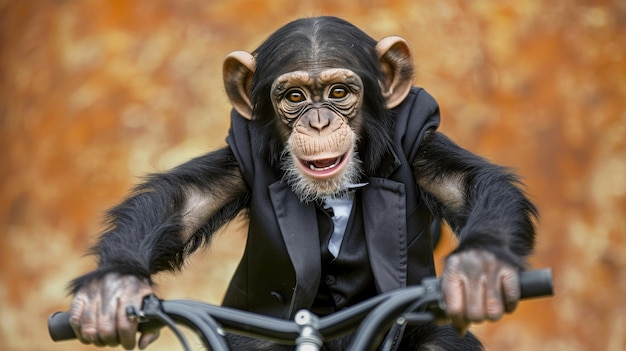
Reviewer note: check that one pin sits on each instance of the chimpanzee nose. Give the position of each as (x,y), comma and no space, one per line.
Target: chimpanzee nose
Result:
(320,118)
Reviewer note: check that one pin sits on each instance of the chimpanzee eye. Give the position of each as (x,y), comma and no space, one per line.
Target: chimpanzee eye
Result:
(338,92)
(295,96)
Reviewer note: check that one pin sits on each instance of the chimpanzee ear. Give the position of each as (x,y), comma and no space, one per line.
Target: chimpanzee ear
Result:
(396,61)
(238,70)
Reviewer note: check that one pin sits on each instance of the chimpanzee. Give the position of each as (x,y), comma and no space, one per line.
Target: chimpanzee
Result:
(337,161)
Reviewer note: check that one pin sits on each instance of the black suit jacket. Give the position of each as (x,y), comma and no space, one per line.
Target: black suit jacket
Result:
(281,267)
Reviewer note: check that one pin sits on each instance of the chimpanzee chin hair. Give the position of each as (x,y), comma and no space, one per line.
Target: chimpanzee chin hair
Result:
(313,44)
(313,190)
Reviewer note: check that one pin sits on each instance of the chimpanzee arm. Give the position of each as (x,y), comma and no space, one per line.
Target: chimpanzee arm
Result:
(154,229)
(493,219)
(169,216)
(481,201)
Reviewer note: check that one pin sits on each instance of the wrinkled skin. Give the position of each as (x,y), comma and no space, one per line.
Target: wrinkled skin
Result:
(316,111)
(478,287)
(98,313)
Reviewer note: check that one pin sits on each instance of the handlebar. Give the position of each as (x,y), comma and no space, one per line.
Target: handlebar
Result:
(371,318)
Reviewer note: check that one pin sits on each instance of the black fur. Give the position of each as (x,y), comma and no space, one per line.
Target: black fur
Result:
(431,337)
(488,189)
(143,232)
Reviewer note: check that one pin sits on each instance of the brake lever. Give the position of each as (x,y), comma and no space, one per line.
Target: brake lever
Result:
(430,307)
(147,317)
(434,302)
(151,316)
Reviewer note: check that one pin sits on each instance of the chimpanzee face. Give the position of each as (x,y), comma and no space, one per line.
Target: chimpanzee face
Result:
(321,85)
(316,110)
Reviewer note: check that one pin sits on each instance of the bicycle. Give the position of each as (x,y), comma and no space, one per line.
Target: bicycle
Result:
(376,322)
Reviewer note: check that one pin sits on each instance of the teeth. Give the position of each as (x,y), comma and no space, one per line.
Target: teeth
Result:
(312,167)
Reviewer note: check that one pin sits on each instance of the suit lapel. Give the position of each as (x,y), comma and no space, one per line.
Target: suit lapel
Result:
(298,226)
(384,219)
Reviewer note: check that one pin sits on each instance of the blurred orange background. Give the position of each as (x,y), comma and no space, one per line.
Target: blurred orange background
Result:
(95,94)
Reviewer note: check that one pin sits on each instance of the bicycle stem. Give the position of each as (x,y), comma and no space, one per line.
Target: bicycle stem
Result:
(310,338)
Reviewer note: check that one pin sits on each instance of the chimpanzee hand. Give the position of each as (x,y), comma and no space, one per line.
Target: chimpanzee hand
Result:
(98,314)
(477,287)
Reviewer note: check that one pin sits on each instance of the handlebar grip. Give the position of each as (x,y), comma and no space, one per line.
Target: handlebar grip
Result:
(60,329)
(59,326)
(536,283)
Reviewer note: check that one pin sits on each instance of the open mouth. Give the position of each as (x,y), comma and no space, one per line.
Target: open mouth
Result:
(323,165)
(326,167)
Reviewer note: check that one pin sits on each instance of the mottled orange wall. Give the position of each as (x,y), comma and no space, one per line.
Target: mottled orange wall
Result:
(94,94)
